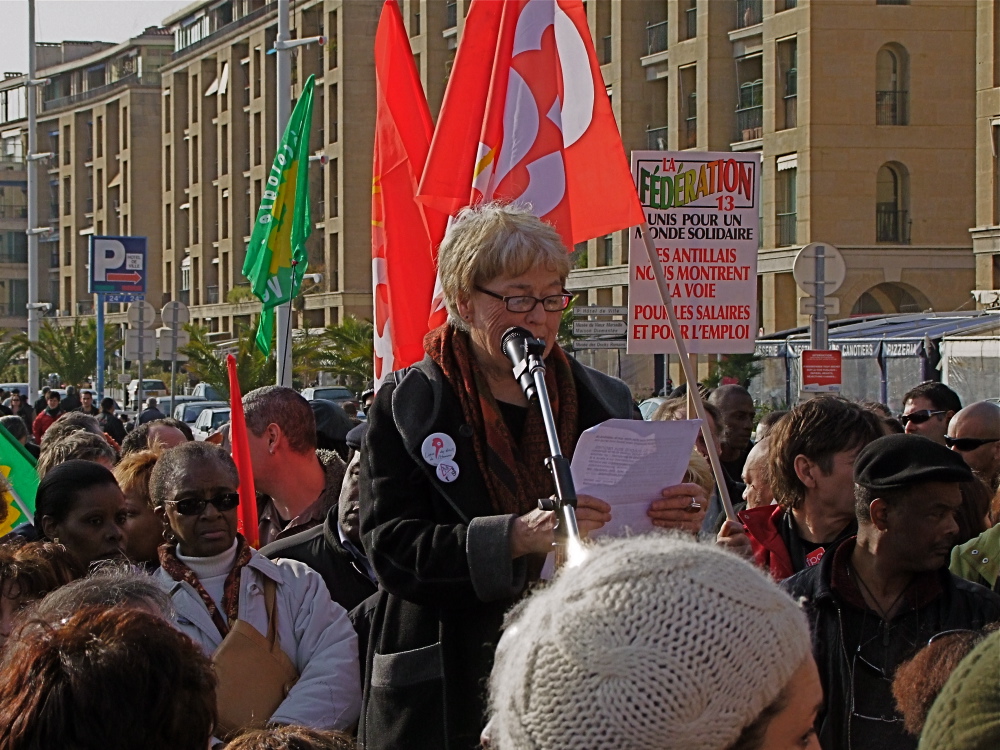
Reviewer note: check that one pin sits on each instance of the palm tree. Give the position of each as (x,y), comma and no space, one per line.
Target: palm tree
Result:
(11,352)
(348,352)
(71,351)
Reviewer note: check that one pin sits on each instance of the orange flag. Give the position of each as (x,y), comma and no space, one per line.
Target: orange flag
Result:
(526,118)
(246,516)
(402,235)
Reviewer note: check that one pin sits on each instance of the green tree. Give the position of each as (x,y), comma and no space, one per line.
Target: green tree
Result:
(347,351)
(11,353)
(742,367)
(71,351)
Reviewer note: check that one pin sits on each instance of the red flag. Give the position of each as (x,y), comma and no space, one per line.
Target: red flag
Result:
(246,516)
(526,118)
(402,236)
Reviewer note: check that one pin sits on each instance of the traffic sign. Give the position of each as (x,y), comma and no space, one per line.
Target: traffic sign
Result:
(599,327)
(581,344)
(175,314)
(834,268)
(141,314)
(117,264)
(136,336)
(170,342)
(595,310)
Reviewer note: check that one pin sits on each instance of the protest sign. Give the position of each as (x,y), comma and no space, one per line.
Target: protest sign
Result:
(703,214)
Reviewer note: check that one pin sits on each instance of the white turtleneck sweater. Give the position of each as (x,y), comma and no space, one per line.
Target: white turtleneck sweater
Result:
(212,572)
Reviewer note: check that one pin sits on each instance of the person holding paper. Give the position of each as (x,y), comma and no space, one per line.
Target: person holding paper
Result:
(452,468)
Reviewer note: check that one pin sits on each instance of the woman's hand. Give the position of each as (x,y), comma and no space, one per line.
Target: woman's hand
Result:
(681,507)
(733,537)
(532,533)
(591,514)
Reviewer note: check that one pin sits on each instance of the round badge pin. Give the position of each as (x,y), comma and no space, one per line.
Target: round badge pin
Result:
(447,471)
(438,447)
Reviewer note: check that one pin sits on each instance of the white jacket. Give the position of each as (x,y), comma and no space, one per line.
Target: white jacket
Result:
(313,631)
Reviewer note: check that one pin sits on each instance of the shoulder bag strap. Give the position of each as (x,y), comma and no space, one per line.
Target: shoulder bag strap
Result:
(270,604)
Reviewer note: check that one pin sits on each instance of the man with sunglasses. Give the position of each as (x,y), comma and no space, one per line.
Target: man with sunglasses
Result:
(882,594)
(974,433)
(927,409)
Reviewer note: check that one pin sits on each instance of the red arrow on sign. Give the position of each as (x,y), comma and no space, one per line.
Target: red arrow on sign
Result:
(134,277)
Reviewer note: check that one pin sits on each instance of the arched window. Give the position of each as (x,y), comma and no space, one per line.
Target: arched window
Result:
(892,220)
(892,86)
(890,298)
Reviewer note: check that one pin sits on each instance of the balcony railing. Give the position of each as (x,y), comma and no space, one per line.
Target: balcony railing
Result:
(238,23)
(890,108)
(690,133)
(10,310)
(656,37)
(749,123)
(786,229)
(146,79)
(692,22)
(211,295)
(748,13)
(13,212)
(12,161)
(892,225)
(656,139)
(450,15)
(85,308)
(14,255)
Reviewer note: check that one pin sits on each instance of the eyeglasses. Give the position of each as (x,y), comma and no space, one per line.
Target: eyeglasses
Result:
(195,506)
(968,444)
(919,417)
(526,303)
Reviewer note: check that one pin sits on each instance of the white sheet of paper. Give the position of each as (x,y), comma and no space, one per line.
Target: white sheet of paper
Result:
(627,463)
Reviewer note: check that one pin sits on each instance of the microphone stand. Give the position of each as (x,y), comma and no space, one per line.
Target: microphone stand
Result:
(567,532)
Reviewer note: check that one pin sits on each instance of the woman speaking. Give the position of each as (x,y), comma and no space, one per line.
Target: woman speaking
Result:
(452,470)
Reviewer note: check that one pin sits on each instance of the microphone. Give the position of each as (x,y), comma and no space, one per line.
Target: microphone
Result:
(518,344)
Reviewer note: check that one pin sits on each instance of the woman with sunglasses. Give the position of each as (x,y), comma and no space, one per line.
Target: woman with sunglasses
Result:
(452,468)
(214,578)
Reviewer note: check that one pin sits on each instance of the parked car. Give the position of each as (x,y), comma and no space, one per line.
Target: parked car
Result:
(339,394)
(22,389)
(155,388)
(209,421)
(650,405)
(189,411)
(207,392)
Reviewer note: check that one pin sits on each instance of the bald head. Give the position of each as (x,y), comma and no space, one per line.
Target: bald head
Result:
(757,477)
(736,405)
(974,433)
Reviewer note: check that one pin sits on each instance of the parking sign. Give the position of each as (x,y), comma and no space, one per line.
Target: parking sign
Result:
(117,265)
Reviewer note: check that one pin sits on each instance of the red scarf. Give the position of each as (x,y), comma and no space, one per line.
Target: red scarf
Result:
(231,589)
(515,473)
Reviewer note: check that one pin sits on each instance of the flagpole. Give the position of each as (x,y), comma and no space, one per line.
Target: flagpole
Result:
(690,373)
(283,348)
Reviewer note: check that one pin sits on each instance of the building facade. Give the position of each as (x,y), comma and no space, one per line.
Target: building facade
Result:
(13,203)
(986,232)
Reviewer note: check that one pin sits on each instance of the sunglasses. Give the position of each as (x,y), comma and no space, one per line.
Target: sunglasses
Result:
(919,417)
(968,444)
(195,506)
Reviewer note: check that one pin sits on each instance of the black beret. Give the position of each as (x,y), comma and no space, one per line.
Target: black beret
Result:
(356,436)
(332,421)
(897,461)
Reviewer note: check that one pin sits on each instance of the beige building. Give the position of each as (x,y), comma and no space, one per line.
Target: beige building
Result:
(13,204)
(219,139)
(986,232)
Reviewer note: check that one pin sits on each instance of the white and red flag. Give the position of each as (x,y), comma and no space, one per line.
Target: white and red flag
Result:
(403,238)
(526,118)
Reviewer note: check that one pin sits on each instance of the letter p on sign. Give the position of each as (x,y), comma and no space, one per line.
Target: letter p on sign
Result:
(108,255)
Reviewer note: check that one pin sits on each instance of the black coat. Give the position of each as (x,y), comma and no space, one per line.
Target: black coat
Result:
(320,549)
(443,560)
(959,605)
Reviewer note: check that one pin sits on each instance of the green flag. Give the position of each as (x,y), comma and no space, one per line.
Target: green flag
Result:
(276,256)
(18,493)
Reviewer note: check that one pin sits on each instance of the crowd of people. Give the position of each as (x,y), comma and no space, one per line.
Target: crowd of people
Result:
(399,600)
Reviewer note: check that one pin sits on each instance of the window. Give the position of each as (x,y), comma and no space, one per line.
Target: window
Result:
(750,102)
(451,15)
(333,267)
(100,189)
(607,246)
(225,217)
(224,148)
(125,127)
(100,136)
(748,13)
(168,168)
(332,134)
(167,114)
(168,239)
(331,45)
(690,19)
(195,159)
(67,146)
(195,221)
(333,199)
(656,37)
(785,213)
(67,197)
(892,221)
(891,84)
(786,113)
(13,247)
(689,106)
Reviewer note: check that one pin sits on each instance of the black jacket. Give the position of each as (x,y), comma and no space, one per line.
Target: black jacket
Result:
(843,658)
(112,425)
(442,557)
(321,550)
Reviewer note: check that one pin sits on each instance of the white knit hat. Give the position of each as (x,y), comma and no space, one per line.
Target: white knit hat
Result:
(652,642)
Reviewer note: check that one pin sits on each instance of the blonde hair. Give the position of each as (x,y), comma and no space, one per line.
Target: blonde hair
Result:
(134,471)
(492,240)
(82,445)
(700,472)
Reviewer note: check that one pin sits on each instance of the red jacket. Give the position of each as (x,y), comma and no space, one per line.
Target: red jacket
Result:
(769,550)
(42,422)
